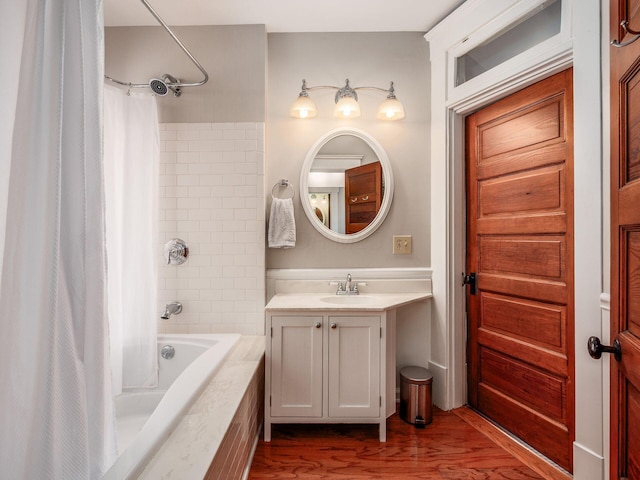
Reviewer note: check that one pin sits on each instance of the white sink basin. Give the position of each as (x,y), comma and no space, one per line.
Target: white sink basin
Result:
(348,300)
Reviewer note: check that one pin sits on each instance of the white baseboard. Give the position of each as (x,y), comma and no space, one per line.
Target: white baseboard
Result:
(587,465)
(439,385)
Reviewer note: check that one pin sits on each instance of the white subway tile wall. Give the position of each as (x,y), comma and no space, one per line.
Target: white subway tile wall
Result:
(212,197)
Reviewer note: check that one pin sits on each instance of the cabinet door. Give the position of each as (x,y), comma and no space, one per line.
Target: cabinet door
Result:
(296,366)
(354,366)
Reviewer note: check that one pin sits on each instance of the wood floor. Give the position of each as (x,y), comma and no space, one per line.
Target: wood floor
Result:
(449,448)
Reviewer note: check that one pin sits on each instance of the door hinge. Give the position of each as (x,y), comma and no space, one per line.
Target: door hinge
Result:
(269,400)
(271,332)
(380,332)
(380,400)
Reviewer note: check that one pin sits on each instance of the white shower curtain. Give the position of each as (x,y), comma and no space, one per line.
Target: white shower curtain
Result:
(131,157)
(11,33)
(56,413)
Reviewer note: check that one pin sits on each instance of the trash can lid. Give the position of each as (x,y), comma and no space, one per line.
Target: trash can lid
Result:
(417,375)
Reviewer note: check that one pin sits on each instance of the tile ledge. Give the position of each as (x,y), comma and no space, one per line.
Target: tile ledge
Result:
(356,273)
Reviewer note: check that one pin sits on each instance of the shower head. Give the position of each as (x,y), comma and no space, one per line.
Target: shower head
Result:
(158,87)
(162,86)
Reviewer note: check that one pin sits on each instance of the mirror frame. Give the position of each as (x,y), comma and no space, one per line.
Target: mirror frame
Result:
(387,176)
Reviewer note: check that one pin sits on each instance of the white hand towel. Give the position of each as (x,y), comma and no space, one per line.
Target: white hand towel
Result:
(282,224)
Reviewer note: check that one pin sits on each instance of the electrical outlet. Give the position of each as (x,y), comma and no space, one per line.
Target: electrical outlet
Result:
(402,244)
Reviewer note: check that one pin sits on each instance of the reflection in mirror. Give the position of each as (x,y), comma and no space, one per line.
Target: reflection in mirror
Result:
(321,204)
(346,176)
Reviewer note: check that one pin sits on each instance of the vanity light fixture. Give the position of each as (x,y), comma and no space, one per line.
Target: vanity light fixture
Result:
(347,102)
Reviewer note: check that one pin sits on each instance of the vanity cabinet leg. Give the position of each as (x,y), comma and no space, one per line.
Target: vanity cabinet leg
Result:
(267,430)
(383,430)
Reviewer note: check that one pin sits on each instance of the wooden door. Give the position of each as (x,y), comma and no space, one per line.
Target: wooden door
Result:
(520,245)
(354,367)
(296,366)
(363,195)
(625,243)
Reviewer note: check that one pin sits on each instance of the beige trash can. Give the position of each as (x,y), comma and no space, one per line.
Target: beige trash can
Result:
(415,395)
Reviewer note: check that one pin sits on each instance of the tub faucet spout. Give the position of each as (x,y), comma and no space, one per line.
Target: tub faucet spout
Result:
(173,308)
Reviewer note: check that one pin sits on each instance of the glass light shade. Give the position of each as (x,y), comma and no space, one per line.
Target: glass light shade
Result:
(347,107)
(391,109)
(303,107)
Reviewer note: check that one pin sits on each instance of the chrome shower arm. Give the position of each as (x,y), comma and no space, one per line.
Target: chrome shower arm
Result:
(182,47)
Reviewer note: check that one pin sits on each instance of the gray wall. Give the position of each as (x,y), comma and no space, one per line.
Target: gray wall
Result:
(234,57)
(367,59)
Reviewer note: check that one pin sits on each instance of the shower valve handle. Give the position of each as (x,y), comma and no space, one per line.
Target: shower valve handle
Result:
(176,251)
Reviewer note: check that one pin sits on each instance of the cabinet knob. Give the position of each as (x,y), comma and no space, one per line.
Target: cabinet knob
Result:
(334,325)
(318,325)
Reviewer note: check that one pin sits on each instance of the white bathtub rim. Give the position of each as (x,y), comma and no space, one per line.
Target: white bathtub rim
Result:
(172,408)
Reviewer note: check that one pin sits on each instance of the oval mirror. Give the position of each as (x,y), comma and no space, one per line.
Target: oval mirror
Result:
(346,185)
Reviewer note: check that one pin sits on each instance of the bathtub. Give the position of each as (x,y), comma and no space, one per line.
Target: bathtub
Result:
(146,417)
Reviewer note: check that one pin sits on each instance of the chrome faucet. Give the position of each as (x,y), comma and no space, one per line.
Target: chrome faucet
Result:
(173,308)
(348,287)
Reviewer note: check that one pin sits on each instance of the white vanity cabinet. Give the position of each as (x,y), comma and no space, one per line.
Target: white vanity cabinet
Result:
(296,365)
(354,366)
(329,367)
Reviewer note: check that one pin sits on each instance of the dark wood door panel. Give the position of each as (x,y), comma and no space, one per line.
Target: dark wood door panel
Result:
(551,361)
(542,433)
(632,400)
(539,190)
(630,345)
(529,98)
(539,257)
(631,149)
(534,125)
(524,384)
(631,283)
(522,160)
(524,225)
(629,195)
(362,213)
(632,9)
(540,290)
(538,323)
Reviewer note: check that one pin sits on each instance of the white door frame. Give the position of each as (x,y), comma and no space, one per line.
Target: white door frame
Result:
(577,45)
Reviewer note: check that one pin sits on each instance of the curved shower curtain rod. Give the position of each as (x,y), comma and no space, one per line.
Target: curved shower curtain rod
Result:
(168,82)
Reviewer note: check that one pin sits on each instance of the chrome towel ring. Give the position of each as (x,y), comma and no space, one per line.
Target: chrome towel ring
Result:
(283,190)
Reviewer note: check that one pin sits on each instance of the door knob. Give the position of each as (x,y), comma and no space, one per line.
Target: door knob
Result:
(318,325)
(334,325)
(596,349)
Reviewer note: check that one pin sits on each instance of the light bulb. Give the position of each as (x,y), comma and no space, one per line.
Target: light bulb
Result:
(303,107)
(347,107)
(391,109)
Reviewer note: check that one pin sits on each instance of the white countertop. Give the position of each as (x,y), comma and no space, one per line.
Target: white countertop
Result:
(374,302)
